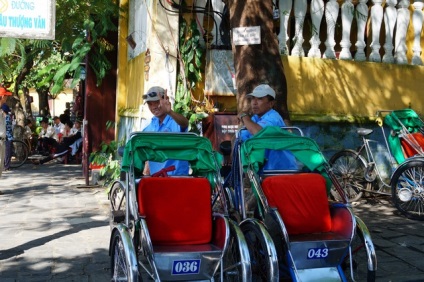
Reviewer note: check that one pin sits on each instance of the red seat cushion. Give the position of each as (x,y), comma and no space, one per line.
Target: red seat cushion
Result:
(302,201)
(415,138)
(177,210)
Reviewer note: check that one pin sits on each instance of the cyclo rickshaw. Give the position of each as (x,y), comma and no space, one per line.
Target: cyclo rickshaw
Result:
(173,228)
(295,232)
(362,171)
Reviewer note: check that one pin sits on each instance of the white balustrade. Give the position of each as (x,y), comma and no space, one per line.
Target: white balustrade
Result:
(401,29)
(299,18)
(317,12)
(331,14)
(389,24)
(285,10)
(417,22)
(376,20)
(347,18)
(361,20)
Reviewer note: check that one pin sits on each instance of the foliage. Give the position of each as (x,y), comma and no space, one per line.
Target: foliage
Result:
(81,27)
(108,158)
(190,75)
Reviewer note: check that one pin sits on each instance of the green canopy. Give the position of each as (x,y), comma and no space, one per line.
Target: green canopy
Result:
(305,149)
(160,146)
(406,119)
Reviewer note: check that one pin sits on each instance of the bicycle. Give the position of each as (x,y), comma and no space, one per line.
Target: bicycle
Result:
(20,152)
(359,170)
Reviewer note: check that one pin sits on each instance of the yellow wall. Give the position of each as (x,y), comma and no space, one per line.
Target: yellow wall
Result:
(345,88)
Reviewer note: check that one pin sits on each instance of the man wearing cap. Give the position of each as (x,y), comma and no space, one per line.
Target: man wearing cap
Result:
(165,120)
(9,135)
(262,101)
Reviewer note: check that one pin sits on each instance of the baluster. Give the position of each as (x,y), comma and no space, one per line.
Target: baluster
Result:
(389,23)
(417,22)
(331,14)
(347,17)
(299,17)
(361,20)
(285,7)
(217,6)
(376,20)
(317,12)
(401,29)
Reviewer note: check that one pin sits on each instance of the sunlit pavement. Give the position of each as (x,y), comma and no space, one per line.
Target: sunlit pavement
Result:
(53,227)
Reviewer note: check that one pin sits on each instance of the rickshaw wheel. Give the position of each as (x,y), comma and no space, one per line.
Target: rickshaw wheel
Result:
(231,262)
(408,189)
(349,169)
(117,203)
(359,260)
(258,251)
(119,267)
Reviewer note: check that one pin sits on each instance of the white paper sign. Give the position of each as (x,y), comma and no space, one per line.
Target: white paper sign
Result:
(247,35)
(34,19)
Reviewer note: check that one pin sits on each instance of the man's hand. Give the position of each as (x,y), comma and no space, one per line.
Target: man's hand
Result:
(165,104)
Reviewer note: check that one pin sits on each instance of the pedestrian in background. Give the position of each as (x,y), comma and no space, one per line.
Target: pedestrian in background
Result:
(9,135)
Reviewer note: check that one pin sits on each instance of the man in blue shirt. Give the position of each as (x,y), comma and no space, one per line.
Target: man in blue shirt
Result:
(262,101)
(165,120)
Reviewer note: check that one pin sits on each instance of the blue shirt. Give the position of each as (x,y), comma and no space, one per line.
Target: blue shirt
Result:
(275,159)
(168,125)
(9,129)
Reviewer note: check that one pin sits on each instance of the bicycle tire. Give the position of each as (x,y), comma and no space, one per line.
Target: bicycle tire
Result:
(349,169)
(407,189)
(20,153)
(117,203)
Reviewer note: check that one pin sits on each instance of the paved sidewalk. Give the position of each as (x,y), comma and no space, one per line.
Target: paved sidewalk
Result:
(51,228)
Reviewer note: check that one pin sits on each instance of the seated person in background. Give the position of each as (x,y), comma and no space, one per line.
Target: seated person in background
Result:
(58,127)
(164,120)
(47,137)
(262,101)
(68,127)
(74,137)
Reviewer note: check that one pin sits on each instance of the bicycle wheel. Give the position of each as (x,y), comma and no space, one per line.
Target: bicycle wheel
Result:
(408,189)
(117,203)
(120,270)
(359,261)
(349,169)
(263,256)
(19,153)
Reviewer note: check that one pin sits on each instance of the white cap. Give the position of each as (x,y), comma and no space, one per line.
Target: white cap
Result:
(262,90)
(153,94)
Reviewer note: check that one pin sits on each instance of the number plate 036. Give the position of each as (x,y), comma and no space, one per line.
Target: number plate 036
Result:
(317,253)
(186,267)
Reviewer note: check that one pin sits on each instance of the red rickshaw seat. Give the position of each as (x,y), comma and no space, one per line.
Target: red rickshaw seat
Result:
(178,210)
(301,200)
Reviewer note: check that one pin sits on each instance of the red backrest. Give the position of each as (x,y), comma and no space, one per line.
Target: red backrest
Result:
(178,210)
(415,138)
(302,201)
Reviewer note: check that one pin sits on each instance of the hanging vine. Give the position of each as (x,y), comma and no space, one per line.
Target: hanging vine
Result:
(190,75)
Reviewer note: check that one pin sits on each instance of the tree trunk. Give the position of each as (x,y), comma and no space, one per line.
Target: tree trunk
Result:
(260,63)
(43,102)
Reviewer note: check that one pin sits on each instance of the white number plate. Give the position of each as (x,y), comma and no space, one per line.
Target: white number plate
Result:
(186,267)
(317,253)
